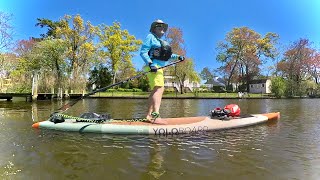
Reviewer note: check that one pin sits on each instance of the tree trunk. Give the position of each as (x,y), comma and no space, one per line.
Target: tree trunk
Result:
(247,78)
(231,73)
(181,88)
(59,79)
(114,78)
(35,85)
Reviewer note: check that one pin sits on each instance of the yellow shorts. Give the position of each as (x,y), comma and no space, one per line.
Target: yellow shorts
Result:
(155,79)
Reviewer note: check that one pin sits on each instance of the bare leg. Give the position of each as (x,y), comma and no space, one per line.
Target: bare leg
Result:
(155,100)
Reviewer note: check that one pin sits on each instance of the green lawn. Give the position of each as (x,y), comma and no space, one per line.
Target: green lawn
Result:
(172,94)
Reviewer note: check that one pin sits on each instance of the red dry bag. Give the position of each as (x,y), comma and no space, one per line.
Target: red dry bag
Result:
(233,110)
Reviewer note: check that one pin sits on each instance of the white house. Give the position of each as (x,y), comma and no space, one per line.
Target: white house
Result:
(170,83)
(216,81)
(260,86)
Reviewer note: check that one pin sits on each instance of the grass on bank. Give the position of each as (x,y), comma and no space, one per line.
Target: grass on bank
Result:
(185,95)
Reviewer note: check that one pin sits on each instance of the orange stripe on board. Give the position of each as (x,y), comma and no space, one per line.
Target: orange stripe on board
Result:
(272,116)
(36,125)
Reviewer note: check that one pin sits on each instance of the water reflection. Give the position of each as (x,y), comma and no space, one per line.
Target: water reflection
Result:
(287,149)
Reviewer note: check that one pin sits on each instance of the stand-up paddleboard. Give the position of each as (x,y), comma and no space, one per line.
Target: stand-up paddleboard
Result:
(175,126)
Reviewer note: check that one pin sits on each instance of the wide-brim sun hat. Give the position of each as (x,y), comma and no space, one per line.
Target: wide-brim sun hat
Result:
(157,23)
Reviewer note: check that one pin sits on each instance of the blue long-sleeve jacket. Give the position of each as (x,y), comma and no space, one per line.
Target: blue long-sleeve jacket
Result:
(150,43)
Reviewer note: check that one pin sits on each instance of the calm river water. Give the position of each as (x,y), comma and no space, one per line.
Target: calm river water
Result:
(287,149)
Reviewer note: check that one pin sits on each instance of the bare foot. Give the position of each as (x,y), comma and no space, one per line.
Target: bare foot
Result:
(149,117)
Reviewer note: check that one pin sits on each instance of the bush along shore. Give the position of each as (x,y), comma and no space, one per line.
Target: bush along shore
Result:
(191,95)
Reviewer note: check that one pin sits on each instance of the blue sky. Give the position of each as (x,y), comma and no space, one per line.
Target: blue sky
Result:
(204,22)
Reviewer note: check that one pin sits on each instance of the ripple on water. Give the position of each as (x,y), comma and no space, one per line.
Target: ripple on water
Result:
(288,148)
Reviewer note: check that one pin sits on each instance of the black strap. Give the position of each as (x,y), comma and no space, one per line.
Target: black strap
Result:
(160,49)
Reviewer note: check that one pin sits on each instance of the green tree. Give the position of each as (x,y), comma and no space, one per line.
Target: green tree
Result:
(184,70)
(51,59)
(25,67)
(243,53)
(51,25)
(8,62)
(143,83)
(100,76)
(295,65)
(78,36)
(43,59)
(206,74)
(278,86)
(117,46)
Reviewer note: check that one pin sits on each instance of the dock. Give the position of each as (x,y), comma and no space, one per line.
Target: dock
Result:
(9,96)
(41,96)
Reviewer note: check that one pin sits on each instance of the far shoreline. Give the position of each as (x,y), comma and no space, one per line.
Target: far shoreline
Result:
(199,97)
(145,95)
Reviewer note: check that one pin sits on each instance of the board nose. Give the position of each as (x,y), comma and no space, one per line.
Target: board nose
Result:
(35,125)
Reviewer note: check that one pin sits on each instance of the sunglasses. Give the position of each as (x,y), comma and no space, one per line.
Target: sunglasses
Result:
(160,25)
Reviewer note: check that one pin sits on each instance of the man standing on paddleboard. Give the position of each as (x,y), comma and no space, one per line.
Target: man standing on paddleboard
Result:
(156,53)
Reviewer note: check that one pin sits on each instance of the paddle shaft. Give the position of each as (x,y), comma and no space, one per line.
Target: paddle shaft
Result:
(71,103)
